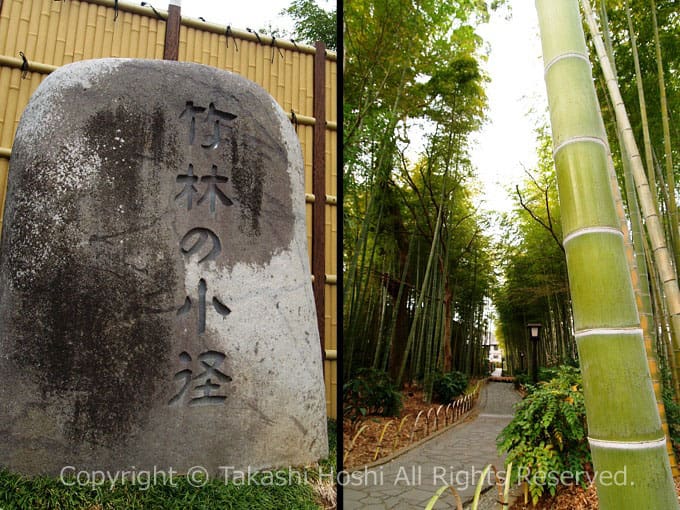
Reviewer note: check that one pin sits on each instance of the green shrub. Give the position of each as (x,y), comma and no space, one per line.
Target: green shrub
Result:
(371,392)
(673,419)
(447,387)
(672,408)
(548,434)
(547,374)
(522,380)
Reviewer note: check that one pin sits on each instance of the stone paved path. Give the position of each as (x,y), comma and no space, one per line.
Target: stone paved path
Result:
(456,457)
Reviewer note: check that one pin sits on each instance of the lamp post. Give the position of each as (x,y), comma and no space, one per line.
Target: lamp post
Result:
(534,335)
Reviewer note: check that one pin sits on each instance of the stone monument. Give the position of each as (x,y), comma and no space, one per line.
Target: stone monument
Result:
(155,295)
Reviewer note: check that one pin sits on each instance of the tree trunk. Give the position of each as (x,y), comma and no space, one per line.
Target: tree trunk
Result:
(448,318)
(400,328)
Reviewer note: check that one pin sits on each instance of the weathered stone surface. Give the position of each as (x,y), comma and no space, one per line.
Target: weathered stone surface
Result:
(155,295)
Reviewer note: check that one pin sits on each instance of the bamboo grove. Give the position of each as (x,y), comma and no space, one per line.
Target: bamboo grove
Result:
(534,299)
(420,265)
(641,47)
(591,251)
(534,286)
(639,88)
(634,46)
(417,262)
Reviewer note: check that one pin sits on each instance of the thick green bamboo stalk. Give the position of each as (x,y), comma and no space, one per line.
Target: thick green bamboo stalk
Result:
(662,256)
(624,429)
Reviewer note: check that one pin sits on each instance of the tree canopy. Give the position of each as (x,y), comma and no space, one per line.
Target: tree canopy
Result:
(313,23)
(418,264)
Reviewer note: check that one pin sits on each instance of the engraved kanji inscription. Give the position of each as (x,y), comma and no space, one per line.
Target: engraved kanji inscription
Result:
(189,190)
(212,193)
(220,307)
(191,111)
(206,387)
(217,117)
(210,124)
(200,237)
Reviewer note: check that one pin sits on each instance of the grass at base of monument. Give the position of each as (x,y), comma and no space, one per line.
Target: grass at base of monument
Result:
(43,493)
(257,492)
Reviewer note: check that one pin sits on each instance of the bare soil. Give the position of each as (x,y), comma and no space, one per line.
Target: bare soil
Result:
(571,498)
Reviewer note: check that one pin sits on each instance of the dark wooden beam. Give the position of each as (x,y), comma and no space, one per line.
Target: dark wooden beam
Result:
(171,48)
(319,189)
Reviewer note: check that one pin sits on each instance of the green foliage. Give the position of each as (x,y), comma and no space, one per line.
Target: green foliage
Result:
(546,374)
(312,23)
(371,392)
(533,263)
(21,493)
(405,212)
(547,438)
(522,380)
(447,387)
(673,418)
(669,27)
(672,408)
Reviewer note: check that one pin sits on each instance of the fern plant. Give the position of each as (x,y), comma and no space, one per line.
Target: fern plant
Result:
(547,438)
(446,387)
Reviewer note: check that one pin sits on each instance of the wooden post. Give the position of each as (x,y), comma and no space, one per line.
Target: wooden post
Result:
(319,189)
(171,48)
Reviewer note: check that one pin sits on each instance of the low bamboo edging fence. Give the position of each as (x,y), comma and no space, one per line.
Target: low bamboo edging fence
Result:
(423,424)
